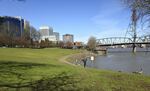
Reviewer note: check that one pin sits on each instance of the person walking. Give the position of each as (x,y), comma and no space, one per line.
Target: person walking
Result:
(84,62)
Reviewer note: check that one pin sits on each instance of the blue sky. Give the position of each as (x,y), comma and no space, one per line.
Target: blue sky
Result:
(83,18)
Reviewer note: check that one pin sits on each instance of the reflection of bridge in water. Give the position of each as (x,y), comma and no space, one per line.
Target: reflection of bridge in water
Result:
(113,41)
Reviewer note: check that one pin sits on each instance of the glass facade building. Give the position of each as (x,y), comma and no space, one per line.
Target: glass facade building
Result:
(14,26)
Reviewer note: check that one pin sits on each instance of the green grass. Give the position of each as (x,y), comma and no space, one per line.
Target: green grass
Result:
(41,70)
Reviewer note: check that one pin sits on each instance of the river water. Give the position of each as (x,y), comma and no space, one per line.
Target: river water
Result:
(124,60)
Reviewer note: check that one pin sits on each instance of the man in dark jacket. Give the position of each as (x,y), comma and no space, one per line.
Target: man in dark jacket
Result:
(84,62)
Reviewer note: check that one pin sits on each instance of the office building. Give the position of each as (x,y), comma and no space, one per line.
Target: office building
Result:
(26,25)
(57,35)
(68,38)
(47,33)
(51,31)
(50,38)
(13,26)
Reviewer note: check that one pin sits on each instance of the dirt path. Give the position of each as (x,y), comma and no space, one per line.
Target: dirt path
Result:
(81,55)
(64,59)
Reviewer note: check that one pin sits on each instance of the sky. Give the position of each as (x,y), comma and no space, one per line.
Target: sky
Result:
(82,18)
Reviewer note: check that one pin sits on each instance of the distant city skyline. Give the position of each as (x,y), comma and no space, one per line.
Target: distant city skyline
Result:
(82,18)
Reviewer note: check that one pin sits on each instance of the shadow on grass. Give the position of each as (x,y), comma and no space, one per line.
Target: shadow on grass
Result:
(17,72)
(21,65)
(18,68)
(59,82)
(13,78)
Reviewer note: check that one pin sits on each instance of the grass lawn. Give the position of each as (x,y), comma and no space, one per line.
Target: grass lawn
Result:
(40,70)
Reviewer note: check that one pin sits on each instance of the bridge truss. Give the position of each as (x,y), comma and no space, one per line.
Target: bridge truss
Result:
(114,40)
(132,40)
(123,41)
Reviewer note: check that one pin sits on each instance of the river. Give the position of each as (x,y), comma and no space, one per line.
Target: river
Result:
(122,59)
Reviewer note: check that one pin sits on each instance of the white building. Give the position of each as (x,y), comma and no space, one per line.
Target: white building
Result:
(50,38)
(47,33)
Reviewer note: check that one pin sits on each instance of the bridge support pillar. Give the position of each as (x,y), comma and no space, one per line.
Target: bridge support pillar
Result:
(102,51)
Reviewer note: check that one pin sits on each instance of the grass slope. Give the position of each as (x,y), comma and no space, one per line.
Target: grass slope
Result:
(41,70)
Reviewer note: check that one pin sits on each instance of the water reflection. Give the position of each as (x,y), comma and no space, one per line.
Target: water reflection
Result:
(123,60)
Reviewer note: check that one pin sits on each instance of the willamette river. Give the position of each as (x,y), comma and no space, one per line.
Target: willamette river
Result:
(124,60)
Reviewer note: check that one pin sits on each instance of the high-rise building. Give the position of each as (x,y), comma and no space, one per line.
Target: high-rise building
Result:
(27,29)
(13,26)
(26,25)
(50,31)
(68,38)
(50,38)
(57,35)
(46,31)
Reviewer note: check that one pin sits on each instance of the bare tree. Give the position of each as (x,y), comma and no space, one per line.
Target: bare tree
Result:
(69,44)
(91,43)
(61,44)
(142,7)
(34,34)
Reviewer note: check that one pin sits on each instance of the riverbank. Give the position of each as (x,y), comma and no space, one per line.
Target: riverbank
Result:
(42,70)
(76,59)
